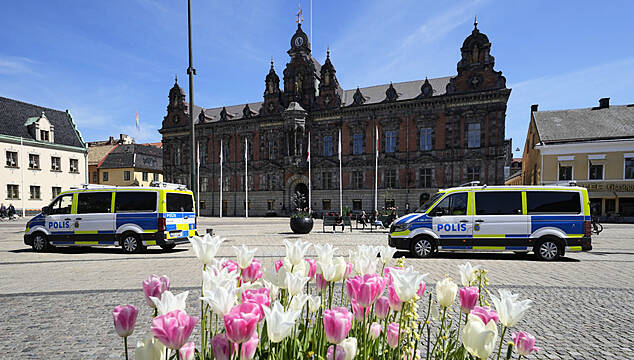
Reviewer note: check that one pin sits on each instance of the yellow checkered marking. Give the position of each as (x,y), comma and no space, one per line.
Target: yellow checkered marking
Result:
(574,248)
(182,227)
(86,242)
(400,233)
(490,236)
(83,232)
(151,242)
(575,235)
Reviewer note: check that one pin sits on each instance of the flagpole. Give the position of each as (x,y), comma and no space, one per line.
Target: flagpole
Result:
(246,179)
(221,147)
(310,188)
(198,177)
(340,184)
(376,168)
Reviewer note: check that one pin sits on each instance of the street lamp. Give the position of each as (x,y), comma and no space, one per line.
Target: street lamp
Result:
(191,72)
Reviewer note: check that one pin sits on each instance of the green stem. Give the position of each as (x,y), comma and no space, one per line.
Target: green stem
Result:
(501,341)
(443,332)
(125,346)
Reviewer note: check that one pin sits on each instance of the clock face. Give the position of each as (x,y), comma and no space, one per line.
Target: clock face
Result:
(299,41)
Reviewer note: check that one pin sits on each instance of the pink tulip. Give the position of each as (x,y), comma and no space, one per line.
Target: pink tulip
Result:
(124,317)
(187,351)
(365,289)
(468,298)
(247,352)
(230,265)
(341,353)
(382,307)
(242,321)
(392,334)
(486,314)
(312,267)
(348,272)
(252,272)
(155,286)
(174,328)
(358,311)
(321,282)
(395,303)
(375,330)
(421,289)
(387,275)
(337,324)
(223,349)
(524,343)
(278,265)
(259,296)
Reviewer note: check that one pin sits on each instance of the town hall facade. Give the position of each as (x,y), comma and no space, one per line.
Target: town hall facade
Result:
(432,133)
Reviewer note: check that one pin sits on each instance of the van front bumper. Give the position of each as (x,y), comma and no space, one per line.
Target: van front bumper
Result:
(579,244)
(28,240)
(399,243)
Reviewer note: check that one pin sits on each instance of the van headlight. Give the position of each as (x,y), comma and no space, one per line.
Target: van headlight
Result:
(401,227)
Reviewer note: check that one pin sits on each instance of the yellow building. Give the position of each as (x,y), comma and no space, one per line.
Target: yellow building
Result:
(593,147)
(131,164)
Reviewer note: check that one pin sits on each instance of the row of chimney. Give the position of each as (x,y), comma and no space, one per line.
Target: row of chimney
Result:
(604,103)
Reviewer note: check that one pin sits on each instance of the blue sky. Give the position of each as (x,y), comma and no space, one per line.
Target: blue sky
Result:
(107,60)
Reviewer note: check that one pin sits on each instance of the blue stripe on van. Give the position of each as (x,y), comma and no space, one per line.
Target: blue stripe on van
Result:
(568,224)
(456,236)
(146,221)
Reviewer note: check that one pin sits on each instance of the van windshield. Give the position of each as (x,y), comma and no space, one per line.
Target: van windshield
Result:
(429,202)
(180,202)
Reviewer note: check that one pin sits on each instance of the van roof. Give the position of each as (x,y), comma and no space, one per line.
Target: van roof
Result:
(516,187)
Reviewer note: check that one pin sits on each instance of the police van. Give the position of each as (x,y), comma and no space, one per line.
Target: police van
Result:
(548,220)
(131,217)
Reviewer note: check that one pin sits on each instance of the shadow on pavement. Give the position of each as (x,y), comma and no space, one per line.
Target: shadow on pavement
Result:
(482,256)
(99,250)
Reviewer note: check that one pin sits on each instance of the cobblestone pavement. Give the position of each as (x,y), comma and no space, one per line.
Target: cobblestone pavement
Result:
(58,304)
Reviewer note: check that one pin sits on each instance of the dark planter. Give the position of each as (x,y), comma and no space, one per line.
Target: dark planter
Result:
(301,225)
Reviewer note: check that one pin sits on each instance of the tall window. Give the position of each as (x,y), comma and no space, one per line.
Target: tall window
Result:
(177,155)
(425,139)
(126,175)
(12,159)
(595,171)
(34,161)
(326,204)
(473,173)
(271,149)
(34,193)
(357,179)
(326,180)
(203,151)
(43,135)
(13,192)
(390,141)
(156,176)
(390,178)
(425,178)
(95,177)
(204,184)
(105,175)
(357,204)
(74,165)
(270,205)
(327,145)
(56,163)
(565,171)
(629,168)
(473,135)
(56,190)
(144,176)
(357,144)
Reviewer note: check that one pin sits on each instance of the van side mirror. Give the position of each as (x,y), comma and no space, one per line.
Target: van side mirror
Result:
(45,210)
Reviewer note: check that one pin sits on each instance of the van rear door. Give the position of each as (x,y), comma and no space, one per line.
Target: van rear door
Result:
(181,218)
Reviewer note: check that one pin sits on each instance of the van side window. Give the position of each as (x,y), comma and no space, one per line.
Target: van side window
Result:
(498,202)
(135,201)
(62,205)
(177,202)
(546,202)
(454,204)
(94,202)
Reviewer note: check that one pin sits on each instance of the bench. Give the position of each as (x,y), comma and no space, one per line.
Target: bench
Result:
(362,222)
(332,221)
(384,219)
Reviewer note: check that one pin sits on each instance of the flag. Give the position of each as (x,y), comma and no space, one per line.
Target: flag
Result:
(137,121)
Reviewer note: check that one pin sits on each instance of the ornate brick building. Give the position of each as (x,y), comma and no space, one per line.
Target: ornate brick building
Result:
(433,133)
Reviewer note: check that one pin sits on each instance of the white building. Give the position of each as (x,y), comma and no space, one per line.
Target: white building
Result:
(44,154)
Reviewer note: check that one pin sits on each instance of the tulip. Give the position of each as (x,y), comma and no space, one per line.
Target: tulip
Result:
(314,302)
(252,272)
(124,317)
(386,253)
(381,307)
(244,255)
(276,277)
(508,308)
(298,302)
(242,321)
(485,313)
(278,265)
(446,291)
(154,286)
(247,350)
(312,268)
(364,259)
(406,282)
(337,324)
(421,289)
(348,347)
(365,289)
(170,302)
(321,282)
(333,271)
(259,296)
(223,349)
(296,250)
(302,268)
(341,354)
(231,266)
(349,269)
(392,334)
(468,298)
(221,299)
(325,253)
(359,311)
(375,330)
(394,301)
(479,339)
(524,343)
(295,283)
(273,289)
(206,247)
(214,277)
(174,328)
(468,274)
(188,351)
(279,323)
(149,349)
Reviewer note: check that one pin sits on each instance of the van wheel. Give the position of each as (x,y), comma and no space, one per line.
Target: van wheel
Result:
(131,243)
(40,242)
(168,246)
(422,247)
(548,249)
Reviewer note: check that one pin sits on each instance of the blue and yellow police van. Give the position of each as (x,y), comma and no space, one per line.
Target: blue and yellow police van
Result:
(547,220)
(134,218)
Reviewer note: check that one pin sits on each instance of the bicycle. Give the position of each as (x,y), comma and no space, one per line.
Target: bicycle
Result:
(596,226)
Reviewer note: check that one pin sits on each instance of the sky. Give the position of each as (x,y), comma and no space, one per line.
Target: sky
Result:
(107,60)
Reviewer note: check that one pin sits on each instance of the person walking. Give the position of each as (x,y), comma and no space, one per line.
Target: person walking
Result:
(10,211)
(3,210)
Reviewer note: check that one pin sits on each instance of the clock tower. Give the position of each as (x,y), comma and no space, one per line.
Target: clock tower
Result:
(301,73)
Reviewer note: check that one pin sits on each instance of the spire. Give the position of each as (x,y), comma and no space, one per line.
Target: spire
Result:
(328,52)
(475,23)
(271,63)
(299,15)
(176,78)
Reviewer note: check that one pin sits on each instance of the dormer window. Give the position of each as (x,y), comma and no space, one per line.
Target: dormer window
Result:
(44,135)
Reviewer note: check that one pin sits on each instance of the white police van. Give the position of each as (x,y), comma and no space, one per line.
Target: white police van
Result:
(548,220)
(131,217)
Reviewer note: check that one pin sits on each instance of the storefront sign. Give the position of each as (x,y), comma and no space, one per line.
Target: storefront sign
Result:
(608,186)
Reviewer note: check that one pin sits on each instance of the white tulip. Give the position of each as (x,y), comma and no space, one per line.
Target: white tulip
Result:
(295,283)
(325,252)
(273,289)
(314,302)
(301,268)
(205,247)
(364,259)
(333,271)
(509,310)
(446,291)
(149,349)
(279,322)
(221,300)
(298,302)
(479,339)
(168,302)
(214,277)
(468,274)
(349,347)
(244,255)
(277,278)
(406,282)
(296,250)
(386,253)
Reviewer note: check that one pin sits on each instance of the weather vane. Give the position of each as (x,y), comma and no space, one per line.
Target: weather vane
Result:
(299,15)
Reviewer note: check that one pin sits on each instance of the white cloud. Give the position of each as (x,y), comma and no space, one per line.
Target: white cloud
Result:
(16,65)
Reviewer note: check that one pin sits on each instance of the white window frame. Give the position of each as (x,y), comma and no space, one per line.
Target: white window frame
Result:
(602,163)
(471,128)
(425,139)
(625,157)
(572,172)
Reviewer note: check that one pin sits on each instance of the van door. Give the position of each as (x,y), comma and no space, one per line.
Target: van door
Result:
(93,222)
(451,222)
(58,219)
(499,222)
(181,218)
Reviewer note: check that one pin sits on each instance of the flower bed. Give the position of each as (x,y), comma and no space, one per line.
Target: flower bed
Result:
(360,308)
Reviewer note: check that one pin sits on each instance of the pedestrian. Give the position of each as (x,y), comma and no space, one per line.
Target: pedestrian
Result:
(3,210)
(10,211)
